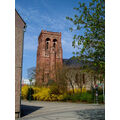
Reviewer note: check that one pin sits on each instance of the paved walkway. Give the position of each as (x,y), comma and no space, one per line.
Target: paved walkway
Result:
(36,110)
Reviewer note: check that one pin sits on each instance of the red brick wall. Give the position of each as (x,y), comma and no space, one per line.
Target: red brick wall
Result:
(48,59)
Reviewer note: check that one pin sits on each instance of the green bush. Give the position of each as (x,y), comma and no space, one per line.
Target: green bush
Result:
(100,91)
(86,97)
(30,93)
(76,97)
(82,97)
(100,99)
(66,97)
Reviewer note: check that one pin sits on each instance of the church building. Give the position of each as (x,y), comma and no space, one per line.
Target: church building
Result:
(49,56)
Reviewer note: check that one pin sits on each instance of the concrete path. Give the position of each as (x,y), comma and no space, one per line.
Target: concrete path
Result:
(36,110)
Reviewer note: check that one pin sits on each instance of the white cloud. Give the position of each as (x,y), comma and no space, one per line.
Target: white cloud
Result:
(36,21)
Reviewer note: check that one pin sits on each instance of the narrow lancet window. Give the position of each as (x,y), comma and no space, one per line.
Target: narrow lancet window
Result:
(47,43)
(54,43)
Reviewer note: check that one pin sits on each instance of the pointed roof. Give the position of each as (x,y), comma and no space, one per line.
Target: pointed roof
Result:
(20,17)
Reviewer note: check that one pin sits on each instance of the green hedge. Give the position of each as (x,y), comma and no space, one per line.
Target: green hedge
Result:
(100,99)
(79,97)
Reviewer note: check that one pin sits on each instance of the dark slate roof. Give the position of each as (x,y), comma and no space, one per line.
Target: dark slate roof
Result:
(73,62)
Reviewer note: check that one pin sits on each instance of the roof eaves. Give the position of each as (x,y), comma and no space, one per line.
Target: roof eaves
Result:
(20,17)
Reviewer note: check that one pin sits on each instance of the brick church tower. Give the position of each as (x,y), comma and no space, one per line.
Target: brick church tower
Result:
(49,56)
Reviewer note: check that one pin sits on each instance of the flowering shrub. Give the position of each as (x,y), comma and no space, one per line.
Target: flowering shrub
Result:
(45,94)
(25,91)
(42,95)
(49,94)
(77,90)
(36,89)
(55,90)
(84,90)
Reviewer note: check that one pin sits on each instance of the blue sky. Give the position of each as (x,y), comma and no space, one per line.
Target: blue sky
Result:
(47,15)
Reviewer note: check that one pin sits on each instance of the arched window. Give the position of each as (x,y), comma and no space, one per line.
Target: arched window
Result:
(54,43)
(47,43)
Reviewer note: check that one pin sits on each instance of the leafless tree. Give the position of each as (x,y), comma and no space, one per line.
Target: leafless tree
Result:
(61,80)
(79,78)
(31,73)
(70,75)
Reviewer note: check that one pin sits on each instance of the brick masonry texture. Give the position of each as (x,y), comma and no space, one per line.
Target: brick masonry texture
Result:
(49,56)
(19,34)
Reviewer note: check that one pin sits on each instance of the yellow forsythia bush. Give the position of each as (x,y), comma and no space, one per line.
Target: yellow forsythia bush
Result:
(36,89)
(84,89)
(77,90)
(44,94)
(60,97)
(24,91)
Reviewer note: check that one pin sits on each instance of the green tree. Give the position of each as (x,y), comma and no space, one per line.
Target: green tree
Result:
(90,45)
